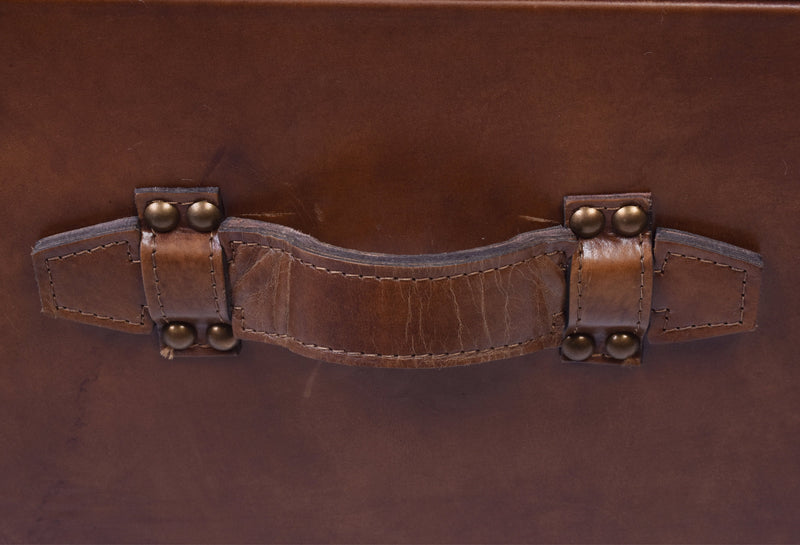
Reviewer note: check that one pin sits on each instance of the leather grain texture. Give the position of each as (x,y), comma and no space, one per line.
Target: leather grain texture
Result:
(417,129)
(397,311)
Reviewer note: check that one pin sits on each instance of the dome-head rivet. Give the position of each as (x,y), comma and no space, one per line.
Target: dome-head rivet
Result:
(621,346)
(220,337)
(178,335)
(587,222)
(577,347)
(161,216)
(629,220)
(203,216)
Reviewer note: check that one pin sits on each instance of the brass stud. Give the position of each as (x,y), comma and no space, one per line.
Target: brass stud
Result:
(203,216)
(577,347)
(621,346)
(178,335)
(629,221)
(587,222)
(220,337)
(161,216)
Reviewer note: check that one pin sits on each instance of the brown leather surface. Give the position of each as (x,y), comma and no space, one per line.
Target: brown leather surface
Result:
(387,310)
(400,130)
(611,277)
(397,311)
(714,283)
(92,275)
(183,271)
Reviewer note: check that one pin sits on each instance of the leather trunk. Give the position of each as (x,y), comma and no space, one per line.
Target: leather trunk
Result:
(404,128)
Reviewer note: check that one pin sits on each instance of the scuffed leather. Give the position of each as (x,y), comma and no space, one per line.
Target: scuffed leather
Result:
(611,277)
(396,311)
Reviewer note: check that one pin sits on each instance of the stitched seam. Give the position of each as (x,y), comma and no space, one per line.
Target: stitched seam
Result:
(83,312)
(313,346)
(101,317)
(213,275)
(579,312)
(742,305)
(641,285)
(96,248)
(392,278)
(155,277)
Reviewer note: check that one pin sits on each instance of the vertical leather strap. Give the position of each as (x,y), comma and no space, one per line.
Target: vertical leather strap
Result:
(611,277)
(183,270)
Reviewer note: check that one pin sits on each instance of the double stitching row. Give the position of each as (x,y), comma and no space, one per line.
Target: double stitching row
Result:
(213,278)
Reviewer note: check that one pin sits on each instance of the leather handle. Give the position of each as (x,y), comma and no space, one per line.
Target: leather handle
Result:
(362,308)
(599,296)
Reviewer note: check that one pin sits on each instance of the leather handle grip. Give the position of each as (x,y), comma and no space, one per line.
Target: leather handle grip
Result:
(364,308)
(205,288)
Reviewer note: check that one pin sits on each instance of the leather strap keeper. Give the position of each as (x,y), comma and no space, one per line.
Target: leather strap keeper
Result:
(183,269)
(273,284)
(611,277)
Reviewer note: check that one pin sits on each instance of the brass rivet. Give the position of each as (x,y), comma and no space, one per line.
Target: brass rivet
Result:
(161,216)
(629,220)
(203,216)
(178,335)
(622,346)
(577,347)
(587,222)
(220,337)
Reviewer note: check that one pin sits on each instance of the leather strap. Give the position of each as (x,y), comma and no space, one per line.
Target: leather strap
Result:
(702,288)
(611,278)
(93,275)
(183,270)
(277,285)
(396,311)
